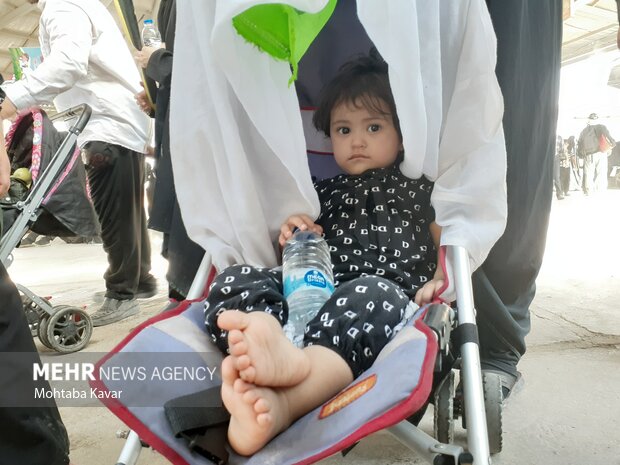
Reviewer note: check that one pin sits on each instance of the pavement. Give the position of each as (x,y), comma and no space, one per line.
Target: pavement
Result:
(568,411)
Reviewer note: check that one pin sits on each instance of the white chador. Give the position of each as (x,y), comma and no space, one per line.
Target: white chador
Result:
(237,141)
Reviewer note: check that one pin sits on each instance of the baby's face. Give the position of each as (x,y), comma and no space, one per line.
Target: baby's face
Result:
(363,139)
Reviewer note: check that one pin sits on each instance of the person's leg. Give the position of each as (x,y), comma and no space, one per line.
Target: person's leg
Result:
(502,333)
(579,174)
(147,285)
(529,36)
(184,256)
(596,172)
(111,173)
(603,171)
(258,414)
(244,288)
(588,175)
(162,203)
(262,353)
(341,343)
(565,180)
(574,182)
(557,182)
(356,322)
(31,430)
(114,175)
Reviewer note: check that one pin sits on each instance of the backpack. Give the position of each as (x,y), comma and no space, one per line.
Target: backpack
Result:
(588,141)
(605,144)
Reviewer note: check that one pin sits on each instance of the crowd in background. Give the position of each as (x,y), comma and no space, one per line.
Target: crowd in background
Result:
(589,163)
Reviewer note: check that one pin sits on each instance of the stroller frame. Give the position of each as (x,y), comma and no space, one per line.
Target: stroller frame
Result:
(30,210)
(427,447)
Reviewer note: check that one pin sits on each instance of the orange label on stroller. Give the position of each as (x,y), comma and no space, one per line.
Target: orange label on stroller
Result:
(348,396)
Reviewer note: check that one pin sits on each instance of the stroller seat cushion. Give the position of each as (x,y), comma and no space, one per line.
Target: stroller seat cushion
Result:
(396,386)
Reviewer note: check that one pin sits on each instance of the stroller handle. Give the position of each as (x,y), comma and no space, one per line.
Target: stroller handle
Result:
(82,112)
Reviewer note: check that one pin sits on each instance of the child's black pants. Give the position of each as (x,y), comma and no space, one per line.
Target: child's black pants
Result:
(357,321)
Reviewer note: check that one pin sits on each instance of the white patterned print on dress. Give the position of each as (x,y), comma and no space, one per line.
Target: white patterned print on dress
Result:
(377,223)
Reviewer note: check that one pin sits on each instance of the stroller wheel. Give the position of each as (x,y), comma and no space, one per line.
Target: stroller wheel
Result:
(69,329)
(492,387)
(42,332)
(443,424)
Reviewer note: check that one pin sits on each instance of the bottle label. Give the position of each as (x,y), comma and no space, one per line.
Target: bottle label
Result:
(307,277)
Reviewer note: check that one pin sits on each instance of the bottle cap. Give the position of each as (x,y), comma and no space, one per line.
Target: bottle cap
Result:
(148,21)
(305,235)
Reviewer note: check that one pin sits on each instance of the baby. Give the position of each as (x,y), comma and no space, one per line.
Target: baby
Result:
(380,228)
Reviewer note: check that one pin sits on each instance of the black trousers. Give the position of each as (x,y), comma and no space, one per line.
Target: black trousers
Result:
(31,433)
(357,321)
(116,177)
(561,178)
(183,254)
(529,36)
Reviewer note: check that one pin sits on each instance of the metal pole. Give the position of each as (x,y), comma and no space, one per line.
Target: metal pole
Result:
(131,450)
(426,446)
(200,280)
(477,436)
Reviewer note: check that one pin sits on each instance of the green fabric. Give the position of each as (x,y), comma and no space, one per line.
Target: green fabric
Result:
(282,31)
(15,54)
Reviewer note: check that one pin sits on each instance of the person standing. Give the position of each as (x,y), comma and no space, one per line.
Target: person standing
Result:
(87,61)
(574,166)
(561,169)
(529,38)
(183,254)
(593,148)
(31,430)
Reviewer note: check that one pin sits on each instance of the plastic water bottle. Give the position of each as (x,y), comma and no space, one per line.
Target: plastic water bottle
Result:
(308,281)
(150,35)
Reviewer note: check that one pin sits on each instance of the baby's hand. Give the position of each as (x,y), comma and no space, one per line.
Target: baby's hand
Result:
(426,294)
(302,222)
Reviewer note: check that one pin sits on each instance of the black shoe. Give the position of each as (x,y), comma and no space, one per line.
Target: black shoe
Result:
(173,294)
(28,240)
(510,383)
(75,240)
(45,240)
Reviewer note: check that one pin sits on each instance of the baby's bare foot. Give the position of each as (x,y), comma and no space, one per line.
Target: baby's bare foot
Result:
(262,354)
(257,414)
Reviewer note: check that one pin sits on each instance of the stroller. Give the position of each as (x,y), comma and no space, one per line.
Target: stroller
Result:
(57,203)
(420,364)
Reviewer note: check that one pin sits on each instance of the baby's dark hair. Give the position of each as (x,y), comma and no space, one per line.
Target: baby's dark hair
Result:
(362,82)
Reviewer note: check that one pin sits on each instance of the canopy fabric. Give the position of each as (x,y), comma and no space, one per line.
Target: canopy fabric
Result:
(237,141)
